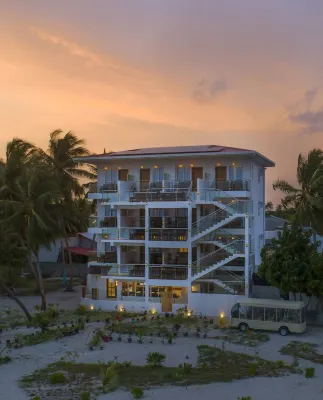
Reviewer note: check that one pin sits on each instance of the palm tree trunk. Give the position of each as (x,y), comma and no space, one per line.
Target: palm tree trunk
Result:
(70,269)
(15,298)
(39,280)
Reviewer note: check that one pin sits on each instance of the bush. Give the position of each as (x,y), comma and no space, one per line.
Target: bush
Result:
(245,398)
(187,368)
(57,378)
(155,359)
(252,369)
(280,363)
(5,360)
(108,373)
(86,396)
(309,372)
(137,392)
(81,310)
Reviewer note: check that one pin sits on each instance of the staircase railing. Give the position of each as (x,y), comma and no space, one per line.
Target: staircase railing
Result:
(233,207)
(235,247)
(223,236)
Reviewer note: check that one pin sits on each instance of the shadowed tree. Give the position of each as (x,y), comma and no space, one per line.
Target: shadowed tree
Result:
(305,198)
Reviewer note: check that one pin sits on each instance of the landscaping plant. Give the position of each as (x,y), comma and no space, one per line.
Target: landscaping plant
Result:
(155,359)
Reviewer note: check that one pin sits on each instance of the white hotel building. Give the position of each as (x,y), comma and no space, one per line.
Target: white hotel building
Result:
(176,226)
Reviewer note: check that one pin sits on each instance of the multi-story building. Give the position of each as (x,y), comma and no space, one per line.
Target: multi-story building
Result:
(176,226)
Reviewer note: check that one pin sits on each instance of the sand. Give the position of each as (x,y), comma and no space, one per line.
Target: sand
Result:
(293,387)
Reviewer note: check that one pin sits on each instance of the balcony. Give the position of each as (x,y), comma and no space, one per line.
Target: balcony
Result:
(109,257)
(122,270)
(208,190)
(168,234)
(126,234)
(168,273)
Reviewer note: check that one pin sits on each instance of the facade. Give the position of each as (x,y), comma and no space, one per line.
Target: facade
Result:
(175,227)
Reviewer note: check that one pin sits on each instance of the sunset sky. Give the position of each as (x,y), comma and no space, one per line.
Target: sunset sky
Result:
(140,73)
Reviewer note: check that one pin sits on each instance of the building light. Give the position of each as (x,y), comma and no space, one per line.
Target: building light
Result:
(180,166)
(105,168)
(142,167)
(119,167)
(192,165)
(153,311)
(233,164)
(218,164)
(155,166)
(222,315)
(91,307)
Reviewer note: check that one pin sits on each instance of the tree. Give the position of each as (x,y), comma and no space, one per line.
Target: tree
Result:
(11,257)
(31,210)
(60,158)
(269,206)
(291,262)
(305,198)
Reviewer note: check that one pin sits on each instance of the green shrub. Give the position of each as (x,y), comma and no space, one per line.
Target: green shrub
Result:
(57,378)
(108,372)
(252,369)
(86,396)
(155,359)
(187,368)
(137,392)
(245,398)
(280,363)
(309,372)
(5,360)
(81,310)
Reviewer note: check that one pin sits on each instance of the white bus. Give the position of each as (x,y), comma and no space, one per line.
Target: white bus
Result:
(274,315)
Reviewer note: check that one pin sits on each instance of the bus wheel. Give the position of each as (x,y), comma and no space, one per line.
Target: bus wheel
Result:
(243,327)
(283,330)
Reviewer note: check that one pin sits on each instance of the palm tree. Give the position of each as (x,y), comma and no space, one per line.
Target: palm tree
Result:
(305,198)
(269,206)
(60,157)
(31,209)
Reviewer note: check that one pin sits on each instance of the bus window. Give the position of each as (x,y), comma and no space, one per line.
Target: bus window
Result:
(235,311)
(245,312)
(287,315)
(270,314)
(258,313)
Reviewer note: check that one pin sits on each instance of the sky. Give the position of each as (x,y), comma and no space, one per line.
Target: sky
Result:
(129,74)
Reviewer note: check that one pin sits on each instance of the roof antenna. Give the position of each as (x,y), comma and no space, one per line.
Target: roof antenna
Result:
(104,151)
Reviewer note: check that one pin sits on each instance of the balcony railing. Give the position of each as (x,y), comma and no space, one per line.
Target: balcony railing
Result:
(123,234)
(238,185)
(168,234)
(172,273)
(103,258)
(129,270)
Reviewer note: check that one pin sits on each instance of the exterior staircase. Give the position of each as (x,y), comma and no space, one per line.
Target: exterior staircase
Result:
(217,259)
(210,223)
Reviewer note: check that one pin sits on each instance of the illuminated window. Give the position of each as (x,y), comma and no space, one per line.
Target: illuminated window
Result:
(111,289)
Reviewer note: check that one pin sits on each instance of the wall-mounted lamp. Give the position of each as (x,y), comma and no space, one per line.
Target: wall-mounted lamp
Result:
(105,168)
(155,166)
(218,164)
(192,165)
(233,164)
(142,167)
(180,166)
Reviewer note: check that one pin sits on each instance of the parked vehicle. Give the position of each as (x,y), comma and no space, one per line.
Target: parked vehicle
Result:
(273,315)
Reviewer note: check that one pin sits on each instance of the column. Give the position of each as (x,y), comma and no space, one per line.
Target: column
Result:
(146,254)
(189,253)
(247,251)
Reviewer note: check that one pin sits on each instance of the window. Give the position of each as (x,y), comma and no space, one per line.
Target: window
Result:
(235,311)
(287,315)
(245,312)
(95,294)
(270,314)
(183,174)
(111,289)
(235,173)
(258,313)
(110,175)
(156,291)
(158,174)
(135,289)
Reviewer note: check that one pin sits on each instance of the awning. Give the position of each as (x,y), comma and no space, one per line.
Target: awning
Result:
(84,251)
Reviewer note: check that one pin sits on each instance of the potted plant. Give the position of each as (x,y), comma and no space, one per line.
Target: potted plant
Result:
(170,339)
